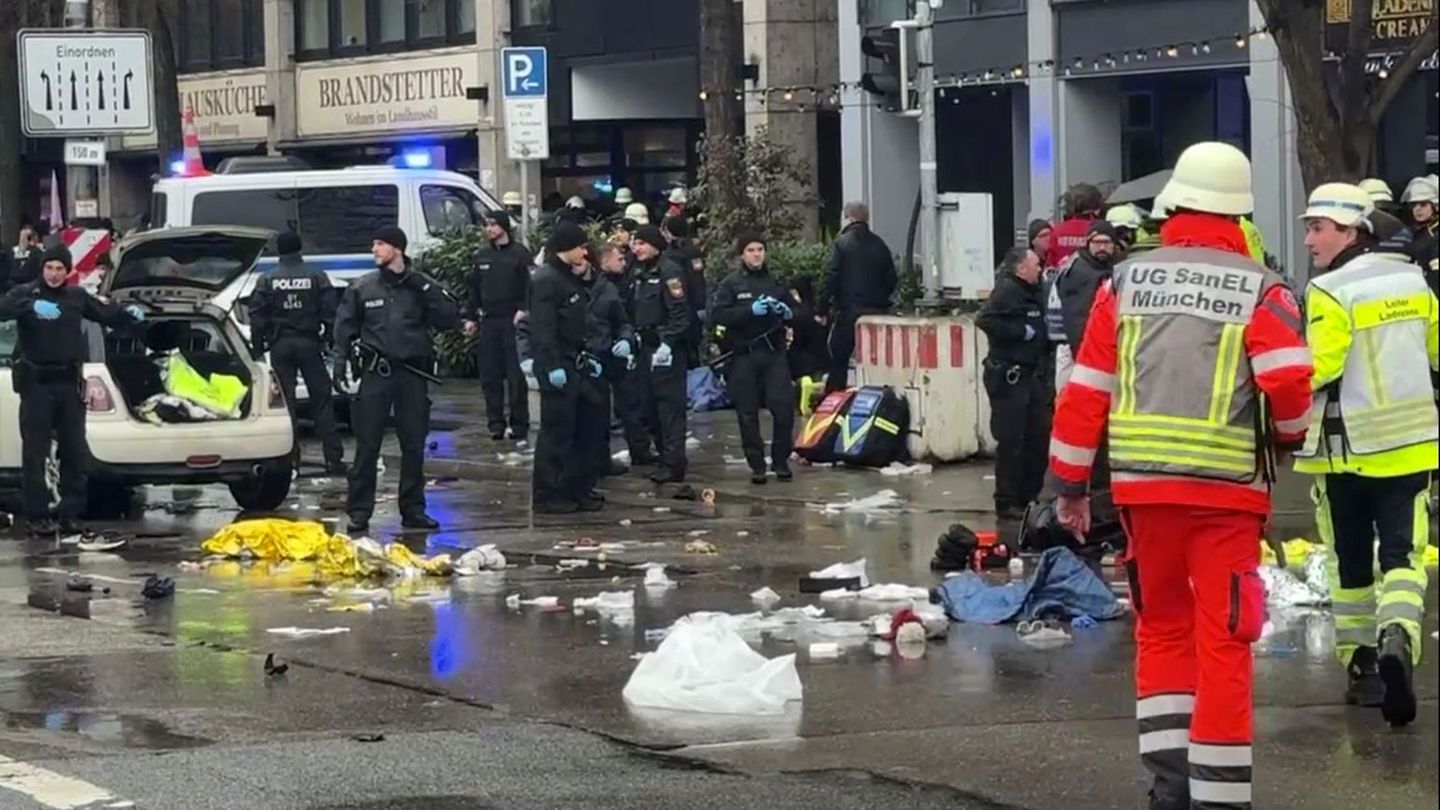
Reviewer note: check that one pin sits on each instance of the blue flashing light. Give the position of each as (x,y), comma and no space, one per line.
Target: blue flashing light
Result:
(177,168)
(417,159)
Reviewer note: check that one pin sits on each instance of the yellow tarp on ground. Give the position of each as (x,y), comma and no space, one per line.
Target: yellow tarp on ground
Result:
(1297,550)
(334,555)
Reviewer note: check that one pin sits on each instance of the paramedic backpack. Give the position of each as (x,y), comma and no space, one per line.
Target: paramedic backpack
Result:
(872,432)
(815,441)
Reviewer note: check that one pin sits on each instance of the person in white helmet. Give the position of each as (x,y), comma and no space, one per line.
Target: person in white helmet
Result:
(1193,370)
(1422,197)
(638,212)
(624,196)
(1127,224)
(1372,443)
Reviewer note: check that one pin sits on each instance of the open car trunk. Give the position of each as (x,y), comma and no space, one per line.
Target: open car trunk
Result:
(138,362)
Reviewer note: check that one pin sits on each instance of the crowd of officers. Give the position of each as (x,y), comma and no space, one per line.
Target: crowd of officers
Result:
(1183,373)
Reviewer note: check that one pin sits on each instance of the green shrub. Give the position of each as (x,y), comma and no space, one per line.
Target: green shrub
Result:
(449,263)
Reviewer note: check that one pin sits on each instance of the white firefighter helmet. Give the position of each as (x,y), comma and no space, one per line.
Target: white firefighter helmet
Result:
(575,202)
(638,212)
(678,196)
(624,196)
(1378,190)
(1421,189)
(1211,177)
(1344,204)
(1124,216)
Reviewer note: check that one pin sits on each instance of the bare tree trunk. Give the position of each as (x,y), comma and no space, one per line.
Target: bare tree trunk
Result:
(10,194)
(1337,110)
(717,82)
(161,15)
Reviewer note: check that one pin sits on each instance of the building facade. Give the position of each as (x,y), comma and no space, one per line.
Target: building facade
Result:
(1039,94)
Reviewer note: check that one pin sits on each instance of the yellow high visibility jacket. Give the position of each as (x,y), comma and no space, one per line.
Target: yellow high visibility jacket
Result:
(1254,240)
(1371,326)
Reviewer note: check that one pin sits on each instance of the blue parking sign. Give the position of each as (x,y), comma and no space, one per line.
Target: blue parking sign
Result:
(523,71)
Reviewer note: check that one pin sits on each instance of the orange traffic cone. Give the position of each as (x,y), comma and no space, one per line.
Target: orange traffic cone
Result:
(194,163)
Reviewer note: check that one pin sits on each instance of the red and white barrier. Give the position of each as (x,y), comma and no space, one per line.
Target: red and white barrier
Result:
(86,246)
(935,362)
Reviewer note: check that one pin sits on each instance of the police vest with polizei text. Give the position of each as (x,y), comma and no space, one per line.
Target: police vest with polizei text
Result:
(1185,401)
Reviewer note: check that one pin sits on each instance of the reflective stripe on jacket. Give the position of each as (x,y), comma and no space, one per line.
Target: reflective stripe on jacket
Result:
(1372,328)
(1177,352)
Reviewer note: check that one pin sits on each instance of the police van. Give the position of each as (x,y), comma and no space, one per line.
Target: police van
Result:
(336,212)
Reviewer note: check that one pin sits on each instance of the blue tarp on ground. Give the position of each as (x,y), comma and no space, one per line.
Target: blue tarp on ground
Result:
(1061,586)
(704,390)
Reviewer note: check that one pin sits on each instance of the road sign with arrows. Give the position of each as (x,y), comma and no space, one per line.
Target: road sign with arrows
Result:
(75,82)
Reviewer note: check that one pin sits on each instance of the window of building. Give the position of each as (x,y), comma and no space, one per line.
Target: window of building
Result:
(261,208)
(344,219)
(329,28)
(449,208)
(533,13)
(219,34)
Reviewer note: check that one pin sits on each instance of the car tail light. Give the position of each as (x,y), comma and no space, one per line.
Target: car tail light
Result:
(202,462)
(277,394)
(97,396)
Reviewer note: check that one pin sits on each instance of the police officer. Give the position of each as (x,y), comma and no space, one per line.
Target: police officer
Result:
(52,350)
(611,341)
(290,310)
(1014,375)
(630,386)
(662,322)
(559,325)
(754,307)
(686,255)
(388,314)
(498,282)
(858,281)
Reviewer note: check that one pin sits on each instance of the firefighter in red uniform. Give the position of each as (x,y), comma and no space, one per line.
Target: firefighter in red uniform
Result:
(1194,369)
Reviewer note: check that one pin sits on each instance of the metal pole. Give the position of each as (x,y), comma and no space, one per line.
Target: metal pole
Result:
(925,89)
(524,199)
(81,182)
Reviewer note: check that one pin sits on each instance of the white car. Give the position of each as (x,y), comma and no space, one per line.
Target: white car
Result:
(174,274)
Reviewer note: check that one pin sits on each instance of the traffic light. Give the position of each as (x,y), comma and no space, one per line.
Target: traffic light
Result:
(891,81)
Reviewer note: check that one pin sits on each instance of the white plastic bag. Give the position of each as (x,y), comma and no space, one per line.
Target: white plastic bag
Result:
(848,570)
(703,666)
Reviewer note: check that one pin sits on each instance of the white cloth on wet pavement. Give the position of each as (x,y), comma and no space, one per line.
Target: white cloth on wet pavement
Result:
(849,570)
(705,666)
(897,469)
(886,500)
(480,558)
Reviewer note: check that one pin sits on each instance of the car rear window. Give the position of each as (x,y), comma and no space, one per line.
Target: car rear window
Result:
(261,208)
(344,219)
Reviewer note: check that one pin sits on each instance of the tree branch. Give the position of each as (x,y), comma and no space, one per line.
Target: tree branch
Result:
(1390,86)
(1358,34)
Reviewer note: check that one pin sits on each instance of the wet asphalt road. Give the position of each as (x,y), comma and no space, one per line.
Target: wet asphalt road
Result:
(480,705)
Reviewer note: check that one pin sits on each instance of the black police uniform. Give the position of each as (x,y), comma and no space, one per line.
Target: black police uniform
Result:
(632,406)
(1015,378)
(687,256)
(291,308)
(759,370)
(559,324)
(859,280)
(498,283)
(662,315)
(47,376)
(609,323)
(391,315)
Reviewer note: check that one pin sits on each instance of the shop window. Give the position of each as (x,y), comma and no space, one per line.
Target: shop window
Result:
(655,147)
(464,17)
(533,13)
(392,22)
(344,219)
(313,19)
(352,24)
(448,208)
(430,18)
(261,208)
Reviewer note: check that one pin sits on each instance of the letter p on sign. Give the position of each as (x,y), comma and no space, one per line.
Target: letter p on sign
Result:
(524,72)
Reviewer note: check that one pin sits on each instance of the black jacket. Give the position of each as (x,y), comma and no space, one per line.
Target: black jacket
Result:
(1424,250)
(662,307)
(688,257)
(860,277)
(1013,306)
(609,322)
(731,309)
(294,298)
(394,313)
(1077,285)
(559,319)
(498,282)
(58,342)
(809,352)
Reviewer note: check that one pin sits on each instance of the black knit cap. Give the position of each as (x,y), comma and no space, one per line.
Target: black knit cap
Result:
(565,236)
(57,253)
(1037,227)
(287,243)
(501,218)
(650,235)
(393,236)
(1100,228)
(678,226)
(744,240)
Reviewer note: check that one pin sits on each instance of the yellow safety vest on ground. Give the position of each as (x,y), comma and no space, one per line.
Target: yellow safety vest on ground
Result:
(1372,331)
(221,393)
(1191,303)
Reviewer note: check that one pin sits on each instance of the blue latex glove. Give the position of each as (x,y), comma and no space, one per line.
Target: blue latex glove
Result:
(1029,333)
(46,310)
(663,357)
(557,378)
(782,309)
(621,349)
(528,366)
(760,307)
(593,367)
(135,312)
(1083,622)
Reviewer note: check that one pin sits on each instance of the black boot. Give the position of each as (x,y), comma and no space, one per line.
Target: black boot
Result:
(42,528)
(1365,687)
(1397,670)
(758,476)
